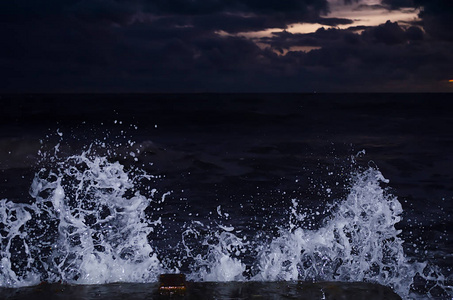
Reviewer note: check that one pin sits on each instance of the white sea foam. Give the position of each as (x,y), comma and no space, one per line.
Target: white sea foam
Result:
(95,232)
(357,242)
(89,224)
(218,258)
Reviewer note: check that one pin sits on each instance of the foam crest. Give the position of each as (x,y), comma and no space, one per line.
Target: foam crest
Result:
(16,261)
(357,242)
(89,224)
(221,256)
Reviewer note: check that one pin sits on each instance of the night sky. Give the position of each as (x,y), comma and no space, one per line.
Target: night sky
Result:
(226,46)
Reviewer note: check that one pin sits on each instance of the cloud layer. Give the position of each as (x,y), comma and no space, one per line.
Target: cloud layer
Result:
(195,46)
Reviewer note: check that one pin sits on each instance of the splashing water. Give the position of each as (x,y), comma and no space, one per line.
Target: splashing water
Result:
(89,224)
(358,242)
(220,260)
(85,226)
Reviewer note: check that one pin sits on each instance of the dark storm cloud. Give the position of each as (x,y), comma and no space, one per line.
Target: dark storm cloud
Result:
(389,33)
(231,16)
(196,7)
(351,1)
(388,57)
(333,21)
(177,46)
(436,15)
(239,15)
(363,7)
(396,4)
(214,14)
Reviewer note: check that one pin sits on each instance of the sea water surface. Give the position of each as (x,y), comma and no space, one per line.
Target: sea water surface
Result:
(99,189)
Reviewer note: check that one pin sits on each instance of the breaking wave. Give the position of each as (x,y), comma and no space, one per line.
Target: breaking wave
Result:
(92,220)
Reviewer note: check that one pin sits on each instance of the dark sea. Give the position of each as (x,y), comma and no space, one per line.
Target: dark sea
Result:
(103,193)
